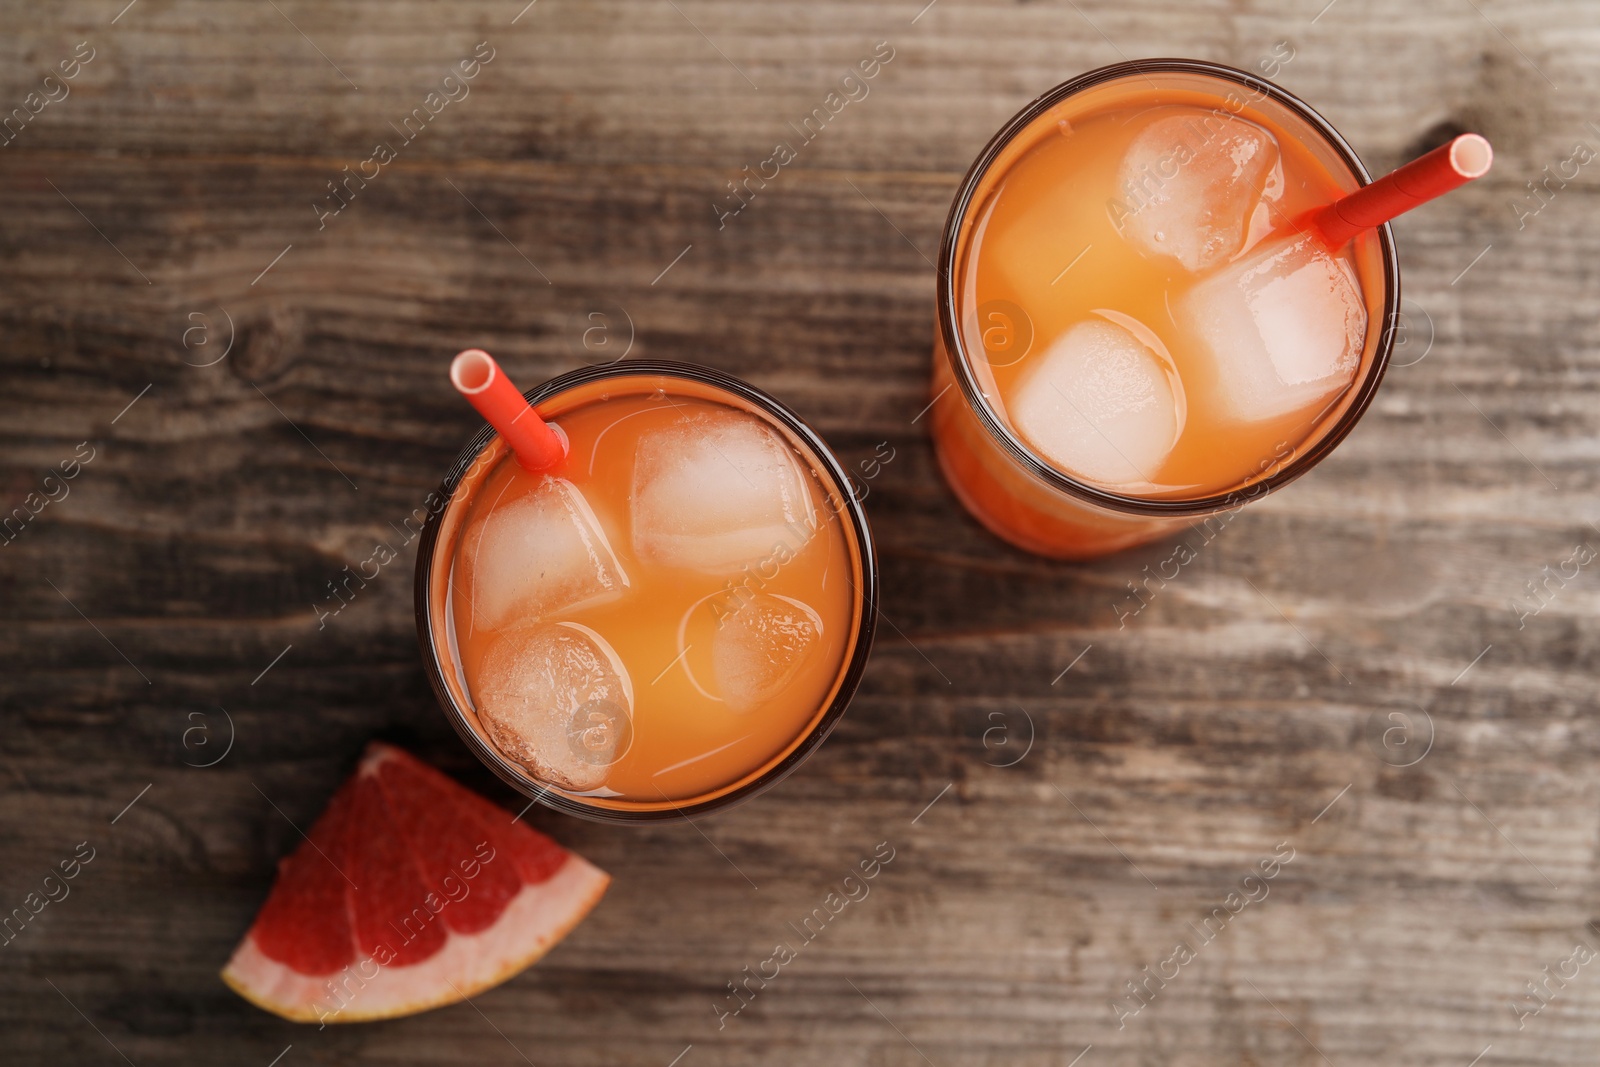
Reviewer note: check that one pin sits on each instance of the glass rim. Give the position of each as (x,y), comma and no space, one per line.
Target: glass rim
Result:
(956,351)
(849,677)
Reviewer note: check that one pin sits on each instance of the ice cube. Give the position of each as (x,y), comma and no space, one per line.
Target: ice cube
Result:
(716,492)
(1099,404)
(542,553)
(1189,184)
(1283,329)
(558,700)
(760,646)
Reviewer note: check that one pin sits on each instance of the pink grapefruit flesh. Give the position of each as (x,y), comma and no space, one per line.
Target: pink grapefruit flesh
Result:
(409,893)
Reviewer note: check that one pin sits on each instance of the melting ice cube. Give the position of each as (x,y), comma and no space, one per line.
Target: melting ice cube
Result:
(1098,404)
(558,700)
(717,492)
(1190,183)
(760,646)
(543,553)
(1283,328)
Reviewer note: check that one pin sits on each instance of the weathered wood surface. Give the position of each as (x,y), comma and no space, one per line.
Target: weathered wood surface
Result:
(1231,714)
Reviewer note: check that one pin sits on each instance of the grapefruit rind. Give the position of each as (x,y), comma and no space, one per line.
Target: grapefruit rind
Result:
(301,958)
(536,919)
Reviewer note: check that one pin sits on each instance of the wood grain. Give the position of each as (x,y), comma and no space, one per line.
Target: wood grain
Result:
(1230,715)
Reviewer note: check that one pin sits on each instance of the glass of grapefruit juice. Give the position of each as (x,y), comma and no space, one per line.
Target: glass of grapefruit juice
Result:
(1136,329)
(667,621)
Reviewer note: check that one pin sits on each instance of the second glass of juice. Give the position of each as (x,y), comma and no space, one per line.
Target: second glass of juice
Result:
(1134,328)
(668,621)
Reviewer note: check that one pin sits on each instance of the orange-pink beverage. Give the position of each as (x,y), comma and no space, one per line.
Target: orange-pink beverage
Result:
(1133,328)
(669,615)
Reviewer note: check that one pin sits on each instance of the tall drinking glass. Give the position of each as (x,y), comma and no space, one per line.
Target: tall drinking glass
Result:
(669,621)
(1132,330)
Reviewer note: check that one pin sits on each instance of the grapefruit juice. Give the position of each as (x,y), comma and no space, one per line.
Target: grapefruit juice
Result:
(666,616)
(1139,329)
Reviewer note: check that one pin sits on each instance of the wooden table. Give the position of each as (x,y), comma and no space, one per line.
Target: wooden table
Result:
(169,204)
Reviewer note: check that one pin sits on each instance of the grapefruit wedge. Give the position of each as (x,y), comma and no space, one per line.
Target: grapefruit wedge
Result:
(409,893)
